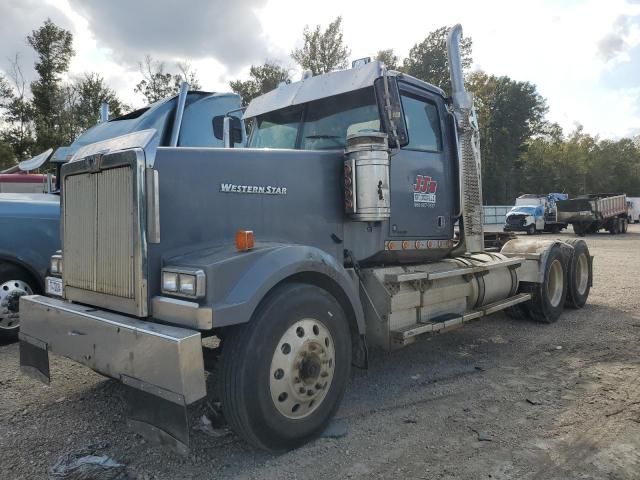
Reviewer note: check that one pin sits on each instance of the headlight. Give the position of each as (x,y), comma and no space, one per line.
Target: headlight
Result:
(170,281)
(56,264)
(187,284)
(182,281)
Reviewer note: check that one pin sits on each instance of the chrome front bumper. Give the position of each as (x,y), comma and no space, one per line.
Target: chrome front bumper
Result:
(161,363)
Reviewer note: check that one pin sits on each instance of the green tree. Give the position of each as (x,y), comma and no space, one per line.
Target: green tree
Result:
(7,159)
(53,47)
(389,58)
(428,60)
(580,164)
(509,113)
(158,83)
(17,112)
(91,92)
(264,78)
(322,52)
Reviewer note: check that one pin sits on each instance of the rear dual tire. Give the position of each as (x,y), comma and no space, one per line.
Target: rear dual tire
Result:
(283,375)
(579,274)
(547,298)
(579,229)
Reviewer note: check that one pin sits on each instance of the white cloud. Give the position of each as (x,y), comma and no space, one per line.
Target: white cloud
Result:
(566,48)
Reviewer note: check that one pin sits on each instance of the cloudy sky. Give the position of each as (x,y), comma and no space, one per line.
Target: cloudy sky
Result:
(583,55)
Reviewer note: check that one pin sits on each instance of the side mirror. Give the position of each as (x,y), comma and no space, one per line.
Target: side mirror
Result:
(228,129)
(391,109)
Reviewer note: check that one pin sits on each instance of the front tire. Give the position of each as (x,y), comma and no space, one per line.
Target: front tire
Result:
(531,229)
(283,374)
(14,283)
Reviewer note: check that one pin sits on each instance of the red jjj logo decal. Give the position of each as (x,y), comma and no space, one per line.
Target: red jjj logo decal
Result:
(425,184)
(424,192)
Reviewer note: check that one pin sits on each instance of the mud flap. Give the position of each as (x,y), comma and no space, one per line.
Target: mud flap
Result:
(160,419)
(34,358)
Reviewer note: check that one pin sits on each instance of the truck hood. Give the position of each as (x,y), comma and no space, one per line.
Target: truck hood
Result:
(29,205)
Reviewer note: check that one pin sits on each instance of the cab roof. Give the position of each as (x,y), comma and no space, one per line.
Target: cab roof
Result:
(327,85)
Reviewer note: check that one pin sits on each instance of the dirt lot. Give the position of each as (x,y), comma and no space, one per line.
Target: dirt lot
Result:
(497,399)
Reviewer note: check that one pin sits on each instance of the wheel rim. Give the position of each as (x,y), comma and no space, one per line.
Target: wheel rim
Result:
(555,283)
(582,273)
(302,368)
(10,293)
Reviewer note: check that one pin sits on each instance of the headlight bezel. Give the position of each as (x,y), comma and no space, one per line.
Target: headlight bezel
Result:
(192,276)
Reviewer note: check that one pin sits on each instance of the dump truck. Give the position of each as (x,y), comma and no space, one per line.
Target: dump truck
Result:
(594,212)
(535,213)
(331,234)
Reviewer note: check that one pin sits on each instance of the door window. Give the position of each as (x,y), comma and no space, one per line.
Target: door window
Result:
(423,124)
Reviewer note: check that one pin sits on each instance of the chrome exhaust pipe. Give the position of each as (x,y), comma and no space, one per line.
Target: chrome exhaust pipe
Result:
(104,112)
(177,121)
(472,233)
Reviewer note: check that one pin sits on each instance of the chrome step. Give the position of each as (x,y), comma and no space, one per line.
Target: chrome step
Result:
(402,336)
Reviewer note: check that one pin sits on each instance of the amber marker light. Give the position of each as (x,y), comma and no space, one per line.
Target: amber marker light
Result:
(244,240)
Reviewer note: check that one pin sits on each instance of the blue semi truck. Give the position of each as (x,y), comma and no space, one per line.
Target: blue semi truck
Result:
(30,222)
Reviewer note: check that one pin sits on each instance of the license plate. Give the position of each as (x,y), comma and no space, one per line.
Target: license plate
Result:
(54,286)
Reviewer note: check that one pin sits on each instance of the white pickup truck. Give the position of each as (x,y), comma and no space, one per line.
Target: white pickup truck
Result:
(535,213)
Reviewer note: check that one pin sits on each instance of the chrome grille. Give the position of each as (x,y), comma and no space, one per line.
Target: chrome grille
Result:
(99,232)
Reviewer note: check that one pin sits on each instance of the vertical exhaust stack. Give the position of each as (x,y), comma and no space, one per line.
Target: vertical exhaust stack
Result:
(104,112)
(468,149)
(177,121)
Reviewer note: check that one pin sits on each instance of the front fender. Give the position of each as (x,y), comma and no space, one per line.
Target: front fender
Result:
(238,281)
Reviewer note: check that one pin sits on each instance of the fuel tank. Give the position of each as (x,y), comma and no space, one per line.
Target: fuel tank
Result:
(400,297)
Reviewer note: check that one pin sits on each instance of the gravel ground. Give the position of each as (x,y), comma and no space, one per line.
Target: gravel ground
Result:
(497,399)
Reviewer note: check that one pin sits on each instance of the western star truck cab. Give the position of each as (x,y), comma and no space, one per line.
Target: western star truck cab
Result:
(535,213)
(30,223)
(331,234)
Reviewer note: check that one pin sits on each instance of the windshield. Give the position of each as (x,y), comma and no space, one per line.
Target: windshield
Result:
(531,210)
(277,129)
(327,122)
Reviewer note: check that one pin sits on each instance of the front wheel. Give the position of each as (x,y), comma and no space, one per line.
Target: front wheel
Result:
(14,283)
(284,373)
(531,229)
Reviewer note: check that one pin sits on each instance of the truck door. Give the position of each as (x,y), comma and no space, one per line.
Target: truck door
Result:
(422,189)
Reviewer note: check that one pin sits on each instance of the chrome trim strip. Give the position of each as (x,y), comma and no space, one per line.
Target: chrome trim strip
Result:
(153,206)
(182,312)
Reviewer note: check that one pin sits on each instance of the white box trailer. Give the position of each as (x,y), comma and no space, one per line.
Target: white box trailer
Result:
(634,209)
